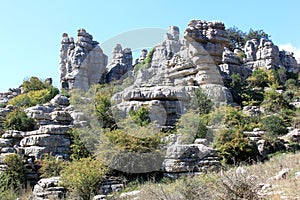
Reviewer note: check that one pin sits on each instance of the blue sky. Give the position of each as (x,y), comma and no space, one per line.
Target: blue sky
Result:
(31,30)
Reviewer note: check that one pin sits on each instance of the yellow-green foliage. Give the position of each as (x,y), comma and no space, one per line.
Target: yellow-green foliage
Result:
(18,120)
(35,92)
(51,167)
(33,98)
(82,177)
(234,147)
(134,142)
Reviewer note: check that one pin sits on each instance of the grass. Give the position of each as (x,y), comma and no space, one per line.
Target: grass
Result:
(233,183)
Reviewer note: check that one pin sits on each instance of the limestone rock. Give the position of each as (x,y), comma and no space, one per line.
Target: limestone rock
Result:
(177,69)
(48,188)
(142,56)
(121,63)
(82,63)
(60,100)
(190,158)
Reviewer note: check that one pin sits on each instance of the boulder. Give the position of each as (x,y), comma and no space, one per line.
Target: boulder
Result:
(48,188)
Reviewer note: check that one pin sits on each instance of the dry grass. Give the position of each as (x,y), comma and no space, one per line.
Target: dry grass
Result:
(252,182)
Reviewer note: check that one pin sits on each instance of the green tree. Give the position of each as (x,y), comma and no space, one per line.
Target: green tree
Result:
(200,102)
(77,147)
(83,177)
(256,34)
(103,106)
(18,120)
(236,38)
(274,125)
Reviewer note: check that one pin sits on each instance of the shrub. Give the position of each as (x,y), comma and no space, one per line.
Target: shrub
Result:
(191,126)
(50,167)
(145,63)
(18,120)
(14,177)
(201,102)
(259,78)
(274,125)
(34,97)
(234,147)
(83,177)
(141,116)
(134,143)
(103,107)
(77,147)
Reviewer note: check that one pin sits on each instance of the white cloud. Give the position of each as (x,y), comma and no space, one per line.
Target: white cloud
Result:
(291,48)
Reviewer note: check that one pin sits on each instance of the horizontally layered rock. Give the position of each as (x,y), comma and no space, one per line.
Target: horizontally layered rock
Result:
(177,68)
(48,188)
(190,158)
(82,63)
(121,63)
(232,64)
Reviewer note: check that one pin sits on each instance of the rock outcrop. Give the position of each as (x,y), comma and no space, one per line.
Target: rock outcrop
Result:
(177,68)
(121,63)
(190,158)
(82,63)
(48,188)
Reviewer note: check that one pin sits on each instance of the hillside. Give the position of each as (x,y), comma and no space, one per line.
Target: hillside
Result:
(198,117)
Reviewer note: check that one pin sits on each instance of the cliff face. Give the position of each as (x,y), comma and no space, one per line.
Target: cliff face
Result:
(82,63)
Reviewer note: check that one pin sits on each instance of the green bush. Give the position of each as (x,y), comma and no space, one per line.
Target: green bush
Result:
(200,102)
(274,125)
(13,179)
(134,142)
(234,147)
(77,147)
(103,106)
(51,167)
(145,63)
(35,92)
(141,116)
(18,120)
(83,177)
(34,97)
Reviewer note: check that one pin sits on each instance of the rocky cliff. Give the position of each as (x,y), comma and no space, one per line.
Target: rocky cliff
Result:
(177,68)
(82,63)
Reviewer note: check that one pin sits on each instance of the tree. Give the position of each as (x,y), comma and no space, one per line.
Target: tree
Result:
(256,34)
(200,102)
(236,38)
(274,125)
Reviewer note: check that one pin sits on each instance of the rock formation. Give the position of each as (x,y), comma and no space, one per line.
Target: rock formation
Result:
(82,63)
(142,56)
(121,63)
(190,159)
(177,68)
(263,54)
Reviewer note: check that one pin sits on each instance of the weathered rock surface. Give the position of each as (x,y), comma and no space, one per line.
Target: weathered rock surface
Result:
(82,63)
(177,68)
(121,63)
(190,158)
(48,188)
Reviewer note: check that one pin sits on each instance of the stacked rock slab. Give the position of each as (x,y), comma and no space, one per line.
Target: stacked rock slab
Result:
(48,188)
(190,158)
(121,64)
(177,68)
(82,63)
